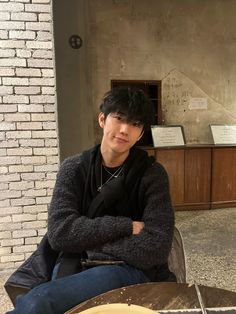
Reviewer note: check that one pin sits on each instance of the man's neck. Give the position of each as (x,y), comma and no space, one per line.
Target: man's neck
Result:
(113,159)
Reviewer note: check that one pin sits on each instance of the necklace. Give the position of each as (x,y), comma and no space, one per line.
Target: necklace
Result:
(112,175)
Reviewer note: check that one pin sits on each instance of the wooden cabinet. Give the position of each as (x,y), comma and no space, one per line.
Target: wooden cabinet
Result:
(224,177)
(201,177)
(189,171)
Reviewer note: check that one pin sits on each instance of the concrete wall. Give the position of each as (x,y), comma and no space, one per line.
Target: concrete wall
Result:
(190,45)
(28,136)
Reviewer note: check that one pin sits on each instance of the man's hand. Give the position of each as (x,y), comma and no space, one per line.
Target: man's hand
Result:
(137,226)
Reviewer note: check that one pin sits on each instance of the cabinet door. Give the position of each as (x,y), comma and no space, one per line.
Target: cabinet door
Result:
(198,176)
(224,177)
(173,161)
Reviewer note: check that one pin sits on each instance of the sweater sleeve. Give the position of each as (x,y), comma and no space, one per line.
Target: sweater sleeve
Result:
(152,246)
(68,230)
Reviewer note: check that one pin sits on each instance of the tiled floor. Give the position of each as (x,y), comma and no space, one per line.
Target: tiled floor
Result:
(210,245)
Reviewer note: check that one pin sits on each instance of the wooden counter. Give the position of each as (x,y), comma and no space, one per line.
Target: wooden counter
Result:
(201,176)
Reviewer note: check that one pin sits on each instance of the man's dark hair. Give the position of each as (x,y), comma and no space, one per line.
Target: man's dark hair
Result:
(130,102)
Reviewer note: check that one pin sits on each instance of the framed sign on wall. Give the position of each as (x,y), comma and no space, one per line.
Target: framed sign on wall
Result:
(223,134)
(167,135)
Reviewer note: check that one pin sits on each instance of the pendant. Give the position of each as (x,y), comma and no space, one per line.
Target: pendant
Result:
(99,189)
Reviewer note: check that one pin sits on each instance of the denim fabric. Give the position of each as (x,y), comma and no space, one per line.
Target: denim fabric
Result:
(60,295)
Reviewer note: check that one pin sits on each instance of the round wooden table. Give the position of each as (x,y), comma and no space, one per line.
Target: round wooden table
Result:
(166,296)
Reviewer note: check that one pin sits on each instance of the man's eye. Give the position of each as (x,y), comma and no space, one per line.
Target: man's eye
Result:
(137,124)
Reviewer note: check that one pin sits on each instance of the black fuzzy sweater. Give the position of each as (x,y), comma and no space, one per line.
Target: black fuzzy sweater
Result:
(110,237)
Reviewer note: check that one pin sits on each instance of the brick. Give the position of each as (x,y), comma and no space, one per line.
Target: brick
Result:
(45,151)
(34,224)
(34,160)
(10,194)
(46,168)
(4,204)
(10,211)
(40,1)
(49,108)
(45,54)
(33,240)
(24,233)
(49,125)
(44,134)
(22,35)
(12,25)
(37,8)
(44,184)
(42,216)
(43,117)
(12,258)
(22,185)
(4,126)
(52,159)
(41,232)
(11,7)
(48,90)
(4,16)
(38,26)
(5,250)
(4,90)
(35,209)
(24,248)
(8,265)
(28,72)
(32,143)
(44,36)
(12,43)
(41,45)
(10,226)
(30,108)
(21,53)
(16,99)
(3,34)
(18,134)
(17,117)
(11,143)
(22,201)
(42,81)
(5,219)
(43,99)
(6,72)
(28,90)
(20,151)
(12,62)
(44,17)
(3,186)
(24,16)
(9,177)
(21,168)
(38,63)
(5,234)
(2,136)
(33,176)
(43,200)
(24,217)
(29,125)
(34,193)
(10,160)
(7,108)
(15,81)
(7,53)
(3,169)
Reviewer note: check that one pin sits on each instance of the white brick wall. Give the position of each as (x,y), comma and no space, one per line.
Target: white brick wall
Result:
(28,133)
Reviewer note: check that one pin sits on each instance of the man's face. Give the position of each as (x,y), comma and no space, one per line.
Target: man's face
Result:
(118,133)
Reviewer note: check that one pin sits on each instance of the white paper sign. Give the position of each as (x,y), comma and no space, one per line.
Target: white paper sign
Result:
(167,136)
(198,103)
(224,134)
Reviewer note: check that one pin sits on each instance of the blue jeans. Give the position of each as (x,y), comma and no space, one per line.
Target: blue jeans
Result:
(60,295)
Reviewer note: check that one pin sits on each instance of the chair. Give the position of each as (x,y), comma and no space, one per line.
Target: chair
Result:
(176,259)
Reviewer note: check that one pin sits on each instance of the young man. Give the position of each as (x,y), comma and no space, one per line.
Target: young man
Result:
(110,216)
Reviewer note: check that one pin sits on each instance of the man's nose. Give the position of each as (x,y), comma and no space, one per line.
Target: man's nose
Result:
(124,128)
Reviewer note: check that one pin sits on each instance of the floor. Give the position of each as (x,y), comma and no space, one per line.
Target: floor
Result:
(210,245)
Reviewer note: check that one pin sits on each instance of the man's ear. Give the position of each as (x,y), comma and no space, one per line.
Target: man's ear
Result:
(140,135)
(101,119)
